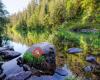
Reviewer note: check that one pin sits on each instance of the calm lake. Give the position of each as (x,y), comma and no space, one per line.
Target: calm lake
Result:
(75,63)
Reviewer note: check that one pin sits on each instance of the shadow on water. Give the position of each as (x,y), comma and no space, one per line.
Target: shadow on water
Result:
(11,67)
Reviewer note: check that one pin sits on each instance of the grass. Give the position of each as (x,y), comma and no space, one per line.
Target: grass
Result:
(91,39)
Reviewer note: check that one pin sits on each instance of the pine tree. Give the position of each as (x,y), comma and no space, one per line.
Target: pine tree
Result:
(3,20)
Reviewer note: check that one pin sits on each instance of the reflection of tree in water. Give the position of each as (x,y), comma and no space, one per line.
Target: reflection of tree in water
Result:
(3,20)
(23,33)
(0,41)
(22,28)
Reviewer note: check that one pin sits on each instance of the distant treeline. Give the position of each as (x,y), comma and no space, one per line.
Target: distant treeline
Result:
(49,14)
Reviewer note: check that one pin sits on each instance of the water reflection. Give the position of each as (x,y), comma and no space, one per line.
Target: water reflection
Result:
(19,47)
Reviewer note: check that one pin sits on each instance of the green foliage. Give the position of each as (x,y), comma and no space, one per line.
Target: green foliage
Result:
(73,8)
(29,58)
(89,10)
(3,18)
(58,15)
(72,78)
(52,13)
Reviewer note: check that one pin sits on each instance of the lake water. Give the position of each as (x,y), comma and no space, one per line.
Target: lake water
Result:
(90,42)
(13,68)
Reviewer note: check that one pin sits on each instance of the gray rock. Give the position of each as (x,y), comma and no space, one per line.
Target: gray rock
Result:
(2,49)
(90,58)
(74,50)
(89,30)
(88,69)
(6,48)
(20,76)
(45,46)
(60,74)
(8,54)
(9,47)
(48,49)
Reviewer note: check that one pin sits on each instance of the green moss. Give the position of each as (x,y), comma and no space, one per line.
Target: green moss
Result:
(29,58)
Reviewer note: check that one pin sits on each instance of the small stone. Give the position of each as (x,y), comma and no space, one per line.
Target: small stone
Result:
(26,67)
(61,71)
(88,69)
(20,61)
(74,50)
(90,58)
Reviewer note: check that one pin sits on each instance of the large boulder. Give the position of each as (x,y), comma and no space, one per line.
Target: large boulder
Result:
(45,46)
(40,56)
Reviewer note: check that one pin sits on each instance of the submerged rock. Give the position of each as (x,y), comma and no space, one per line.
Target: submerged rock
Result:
(74,50)
(61,72)
(11,71)
(8,54)
(10,68)
(20,76)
